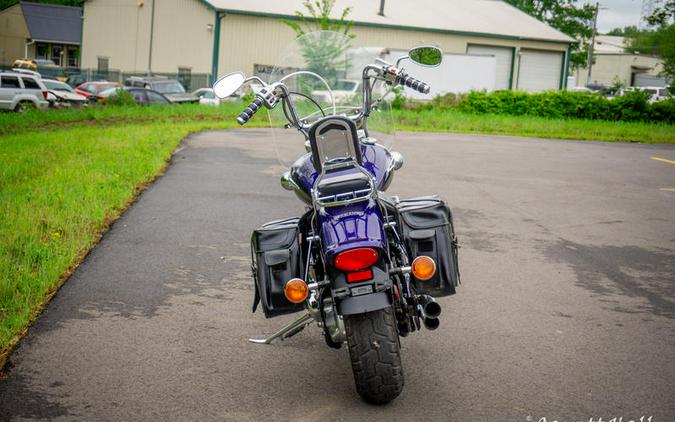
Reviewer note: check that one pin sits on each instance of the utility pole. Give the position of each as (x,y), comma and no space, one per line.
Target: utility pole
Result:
(590,49)
(152,33)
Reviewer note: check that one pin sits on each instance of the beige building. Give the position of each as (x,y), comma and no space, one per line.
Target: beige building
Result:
(40,31)
(612,63)
(220,36)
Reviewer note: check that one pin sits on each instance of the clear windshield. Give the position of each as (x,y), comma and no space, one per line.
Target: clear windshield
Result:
(323,70)
(57,86)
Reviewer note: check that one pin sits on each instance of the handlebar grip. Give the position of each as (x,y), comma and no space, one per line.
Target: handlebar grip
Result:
(250,110)
(415,84)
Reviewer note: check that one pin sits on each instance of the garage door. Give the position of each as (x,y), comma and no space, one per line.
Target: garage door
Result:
(645,79)
(539,70)
(504,56)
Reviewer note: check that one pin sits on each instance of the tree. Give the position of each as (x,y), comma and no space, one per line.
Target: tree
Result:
(323,54)
(320,19)
(566,16)
(662,15)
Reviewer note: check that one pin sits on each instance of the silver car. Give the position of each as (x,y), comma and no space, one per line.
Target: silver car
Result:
(21,91)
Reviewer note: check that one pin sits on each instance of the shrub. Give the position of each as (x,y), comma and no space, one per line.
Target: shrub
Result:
(399,98)
(663,111)
(121,97)
(633,106)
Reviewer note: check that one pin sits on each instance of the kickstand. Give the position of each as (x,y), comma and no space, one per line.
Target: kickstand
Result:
(286,331)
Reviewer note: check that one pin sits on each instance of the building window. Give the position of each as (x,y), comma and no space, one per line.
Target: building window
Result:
(103,63)
(57,54)
(185,77)
(41,51)
(73,56)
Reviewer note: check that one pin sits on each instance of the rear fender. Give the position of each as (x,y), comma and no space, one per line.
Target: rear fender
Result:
(365,296)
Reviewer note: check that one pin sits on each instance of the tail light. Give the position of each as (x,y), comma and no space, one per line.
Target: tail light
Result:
(423,268)
(357,276)
(45,94)
(355,259)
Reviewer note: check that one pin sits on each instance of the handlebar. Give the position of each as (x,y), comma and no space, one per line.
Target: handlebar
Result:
(398,77)
(410,82)
(250,110)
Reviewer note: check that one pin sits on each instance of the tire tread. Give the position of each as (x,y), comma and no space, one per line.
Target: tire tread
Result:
(378,372)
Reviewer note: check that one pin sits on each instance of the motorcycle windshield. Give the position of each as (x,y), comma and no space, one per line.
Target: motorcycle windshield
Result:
(323,72)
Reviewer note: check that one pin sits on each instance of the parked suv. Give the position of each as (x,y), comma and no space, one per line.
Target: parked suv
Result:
(46,68)
(170,88)
(21,91)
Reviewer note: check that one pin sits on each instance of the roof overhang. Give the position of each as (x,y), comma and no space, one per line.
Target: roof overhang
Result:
(55,41)
(357,22)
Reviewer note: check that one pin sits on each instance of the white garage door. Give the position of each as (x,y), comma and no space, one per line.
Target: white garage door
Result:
(504,56)
(539,70)
(645,79)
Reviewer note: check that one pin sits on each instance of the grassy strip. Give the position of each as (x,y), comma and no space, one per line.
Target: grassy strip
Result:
(59,191)
(115,116)
(426,120)
(597,130)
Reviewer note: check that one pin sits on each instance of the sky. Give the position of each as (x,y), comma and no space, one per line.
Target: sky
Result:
(618,13)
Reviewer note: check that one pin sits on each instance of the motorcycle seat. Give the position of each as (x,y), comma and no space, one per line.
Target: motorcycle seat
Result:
(354,181)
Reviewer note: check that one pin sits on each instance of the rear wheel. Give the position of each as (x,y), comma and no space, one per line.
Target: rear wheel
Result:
(24,106)
(375,353)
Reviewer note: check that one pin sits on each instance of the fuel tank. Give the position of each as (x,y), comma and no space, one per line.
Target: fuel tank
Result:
(377,160)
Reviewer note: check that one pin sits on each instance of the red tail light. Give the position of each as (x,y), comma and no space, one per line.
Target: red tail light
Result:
(355,259)
(45,94)
(357,276)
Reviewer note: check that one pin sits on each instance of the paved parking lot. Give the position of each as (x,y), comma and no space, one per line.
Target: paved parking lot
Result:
(566,312)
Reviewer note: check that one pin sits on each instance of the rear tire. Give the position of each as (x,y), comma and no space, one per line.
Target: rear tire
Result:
(375,353)
(24,106)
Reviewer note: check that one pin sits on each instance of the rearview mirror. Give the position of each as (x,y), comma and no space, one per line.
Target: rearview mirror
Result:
(228,84)
(426,56)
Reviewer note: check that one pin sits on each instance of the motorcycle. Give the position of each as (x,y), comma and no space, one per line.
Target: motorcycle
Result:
(366,266)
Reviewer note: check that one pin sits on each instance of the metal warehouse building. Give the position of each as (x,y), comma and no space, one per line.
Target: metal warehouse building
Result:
(220,36)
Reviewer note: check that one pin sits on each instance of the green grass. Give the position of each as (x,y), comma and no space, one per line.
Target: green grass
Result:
(115,116)
(66,174)
(60,188)
(598,130)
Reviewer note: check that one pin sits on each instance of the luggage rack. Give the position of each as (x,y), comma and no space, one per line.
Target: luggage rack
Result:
(345,198)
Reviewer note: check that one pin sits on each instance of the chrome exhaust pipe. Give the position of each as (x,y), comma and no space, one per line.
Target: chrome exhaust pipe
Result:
(431,308)
(431,323)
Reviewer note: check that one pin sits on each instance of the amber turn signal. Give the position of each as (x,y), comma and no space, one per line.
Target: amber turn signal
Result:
(423,267)
(296,290)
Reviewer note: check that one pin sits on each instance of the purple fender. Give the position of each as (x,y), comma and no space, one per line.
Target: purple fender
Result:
(351,226)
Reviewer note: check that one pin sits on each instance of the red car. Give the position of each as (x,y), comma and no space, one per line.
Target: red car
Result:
(92,89)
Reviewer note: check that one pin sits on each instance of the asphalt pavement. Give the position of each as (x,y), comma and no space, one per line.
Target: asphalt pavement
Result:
(566,312)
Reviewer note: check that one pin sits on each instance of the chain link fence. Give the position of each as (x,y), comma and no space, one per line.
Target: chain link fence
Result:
(191,81)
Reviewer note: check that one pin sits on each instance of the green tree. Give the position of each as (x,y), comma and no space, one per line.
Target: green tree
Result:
(567,17)
(663,15)
(323,54)
(319,19)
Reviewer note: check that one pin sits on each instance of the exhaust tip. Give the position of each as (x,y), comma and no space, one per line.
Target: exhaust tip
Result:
(431,323)
(432,309)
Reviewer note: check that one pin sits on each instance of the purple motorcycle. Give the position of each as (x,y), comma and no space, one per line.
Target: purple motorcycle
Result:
(366,266)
